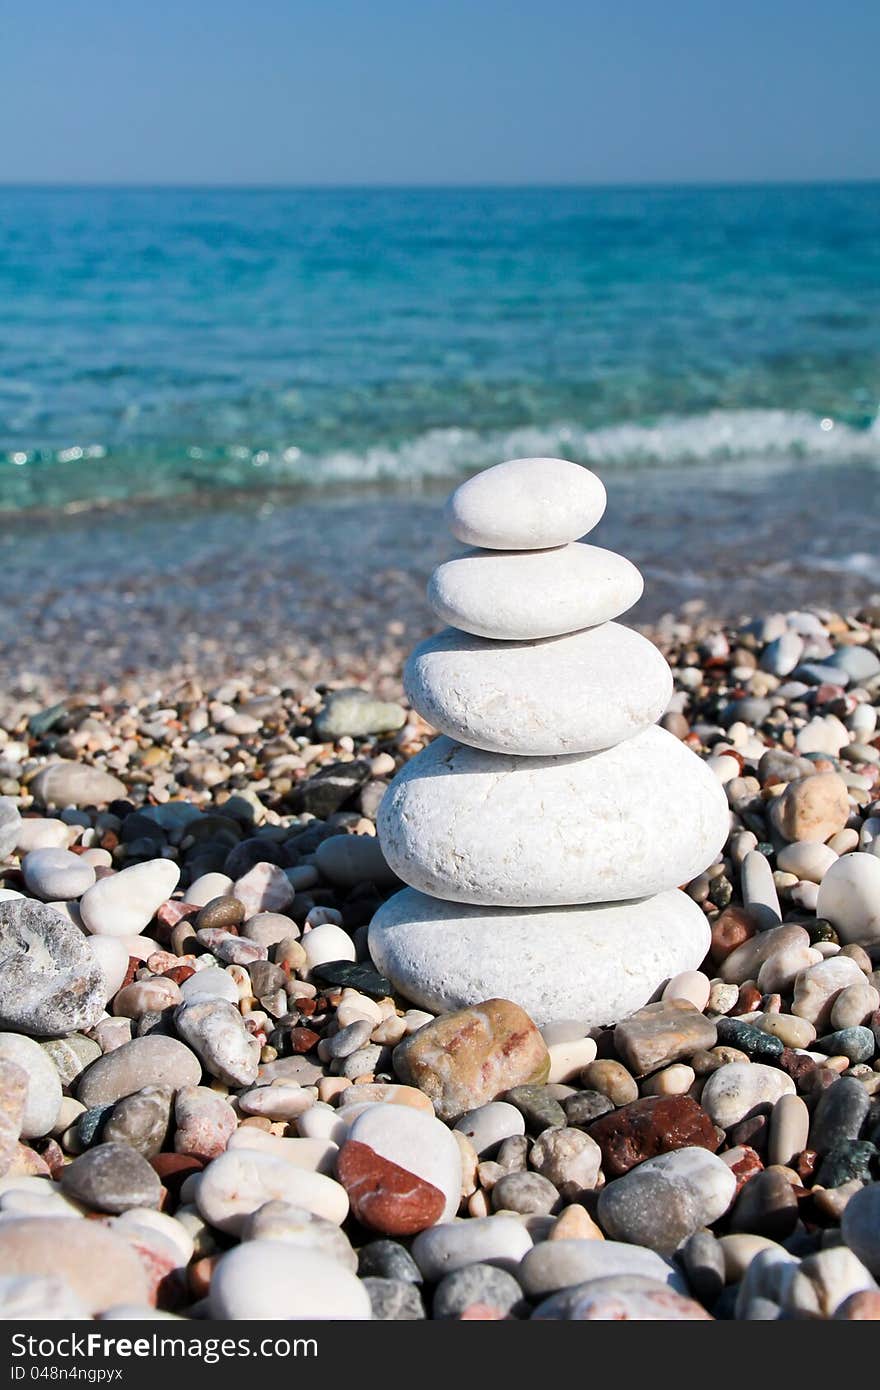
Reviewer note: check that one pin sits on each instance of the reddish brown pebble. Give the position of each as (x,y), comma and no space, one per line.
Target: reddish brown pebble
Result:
(751,1132)
(807,1162)
(749,1000)
(747,1164)
(795,1065)
(199,1275)
(179,973)
(645,1128)
(385,1196)
(303,1039)
(134,966)
(174,1169)
(53,1156)
(732,928)
(170,913)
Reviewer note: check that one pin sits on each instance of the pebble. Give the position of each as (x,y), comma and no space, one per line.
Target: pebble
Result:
(811,809)
(839,1114)
(473,1055)
(347,860)
(539,1110)
(49,981)
(742,1089)
(572,694)
(65,783)
(817,988)
(526,504)
(393,1301)
(553,843)
(570,1160)
(303,1229)
(622,1298)
(216,1032)
(807,860)
(43,1100)
(767,1206)
(112,1178)
(401,1170)
(852,1158)
(754,1042)
(53,874)
(562,1264)
(240,1181)
(759,891)
(479,1291)
(97,1266)
(692,986)
(357,713)
(666,1199)
(326,943)
(387,1259)
(264,888)
(789,1129)
(856,1044)
(648,1127)
(526,1193)
(140,1121)
(860,1226)
(661,1033)
(558,965)
(745,961)
(211,983)
(10,826)
(568,1059)
(849,897)
(266,1279)
(489,1240)
(533,594)
(147,1061)
(204,1122)
(489,1125)
(126,902)
(671,1081)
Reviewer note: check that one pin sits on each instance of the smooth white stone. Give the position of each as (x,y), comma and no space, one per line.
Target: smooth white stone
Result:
(489,1125)
(43,1099)
(741,1088)
(124,903)
(239,1181)
(56,873)
(415,1142)
(469,826)
(849,897)
(273,1279)
(314,1155)
(211,983)
(517,596)
(759,890)
(560,1264)
(208,887)
(807,859)
(111,955)
(591,964)
(327,942)
(563,695)
(488,1240)
(526,504)
(568,1059)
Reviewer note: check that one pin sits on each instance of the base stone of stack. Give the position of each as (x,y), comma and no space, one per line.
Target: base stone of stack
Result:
(628,822)
(590,965)
(518,596)
(573,694)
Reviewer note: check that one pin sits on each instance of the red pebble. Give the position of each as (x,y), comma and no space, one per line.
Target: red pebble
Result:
(134,966)
(748,1001)
(174,1169)
(179,973)
(734,926)
(171,912)
(747,1165)
(303,1039)
(806,1164)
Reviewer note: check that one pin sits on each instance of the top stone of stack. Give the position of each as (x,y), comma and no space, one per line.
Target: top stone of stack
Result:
(526,504)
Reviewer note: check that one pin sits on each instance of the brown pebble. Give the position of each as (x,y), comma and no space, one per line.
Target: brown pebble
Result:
(304,1039)
(225,912)
(806,1164)
(734,926)
(199,1275)
(749,999)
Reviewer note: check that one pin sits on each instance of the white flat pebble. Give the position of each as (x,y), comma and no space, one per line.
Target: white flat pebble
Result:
(526,504)
(238,1182)
(124,903)
(468,826)
(563,695)
(271,1279)
(523,595)
(492,1240)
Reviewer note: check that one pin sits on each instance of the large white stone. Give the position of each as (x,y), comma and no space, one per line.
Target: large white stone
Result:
(521,595)
(526,504)
(849,897)
(572,694)
(124,903)
(272,1279)
(593,965)
(627,822)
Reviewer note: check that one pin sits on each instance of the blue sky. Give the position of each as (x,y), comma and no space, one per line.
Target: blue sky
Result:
(437,91)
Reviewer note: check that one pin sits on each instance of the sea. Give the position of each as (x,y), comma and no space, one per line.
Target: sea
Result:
(330,361)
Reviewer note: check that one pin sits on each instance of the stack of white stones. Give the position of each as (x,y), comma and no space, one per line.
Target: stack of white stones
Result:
(545,834)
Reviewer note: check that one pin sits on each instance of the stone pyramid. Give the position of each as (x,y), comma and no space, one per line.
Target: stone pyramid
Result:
(546,833)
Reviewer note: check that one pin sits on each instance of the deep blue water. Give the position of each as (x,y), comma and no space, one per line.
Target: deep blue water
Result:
(160,342)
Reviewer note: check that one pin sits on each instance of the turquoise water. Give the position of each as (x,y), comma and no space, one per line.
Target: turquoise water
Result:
(156,343)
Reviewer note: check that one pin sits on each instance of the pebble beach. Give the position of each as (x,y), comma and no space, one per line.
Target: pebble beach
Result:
(195,1038)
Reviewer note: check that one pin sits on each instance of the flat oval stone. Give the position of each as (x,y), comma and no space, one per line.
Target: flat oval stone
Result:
(666,1199)
(849,897)
(49,981)
(124,903)
(101,1269)
(149,1061)
(740,1089)
(526,504)
(475,827)
(401,1169)
(112,1178)
(75,784)
(53,874)
(43,1100)
(489,1125)
(491,1240)
(523,595)
(572,694)
(481,1291)
(621,1298)
(593,965)
(240,1181)
(270,1279)
(560,1264)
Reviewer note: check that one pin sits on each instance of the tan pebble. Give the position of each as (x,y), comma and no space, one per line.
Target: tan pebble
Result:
(722,997)
(739,1251)
(671,1081)
(330,1086)
(70,1111)
(611,1079)
(569,1058)
(838,1064)
(789,1129)
(691,985)
(859,955)
(832,1200)
(390,1093)
(469,1162)
(389,1032)
(575,1223)
(478,1204)
(844,841)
